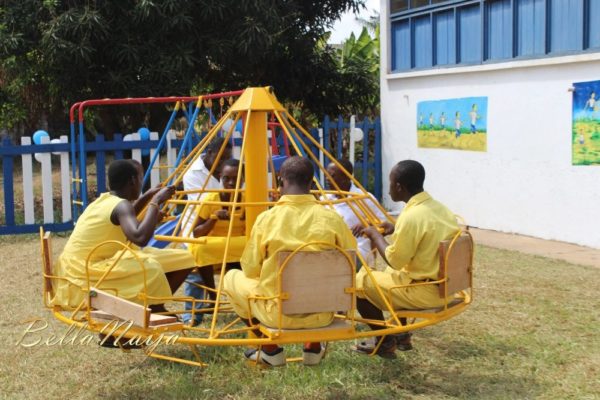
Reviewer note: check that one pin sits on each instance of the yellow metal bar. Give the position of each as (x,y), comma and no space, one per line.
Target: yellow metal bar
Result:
(291,133)
(256,165)
(238,184)
(327,154)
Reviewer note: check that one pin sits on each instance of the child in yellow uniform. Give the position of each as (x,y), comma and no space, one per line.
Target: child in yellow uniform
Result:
(296,219)
(113,216)
(213,224)
(412,256)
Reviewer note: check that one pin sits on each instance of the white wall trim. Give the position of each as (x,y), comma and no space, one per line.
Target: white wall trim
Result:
(537,62)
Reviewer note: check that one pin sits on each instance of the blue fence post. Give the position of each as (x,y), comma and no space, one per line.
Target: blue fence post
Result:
(7,169)
(100,162)
(74,206)
(118,138)
(326,143)
(187,138)
(365,158)
(161,143)
(340,132)
(377,151)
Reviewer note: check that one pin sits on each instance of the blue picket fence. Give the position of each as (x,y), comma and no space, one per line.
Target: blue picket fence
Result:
(23,214)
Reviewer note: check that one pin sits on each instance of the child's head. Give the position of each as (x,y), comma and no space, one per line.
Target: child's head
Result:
(229,173)
(212,151)
(125,177)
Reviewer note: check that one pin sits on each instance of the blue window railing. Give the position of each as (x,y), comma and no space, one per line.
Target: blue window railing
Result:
(439,33)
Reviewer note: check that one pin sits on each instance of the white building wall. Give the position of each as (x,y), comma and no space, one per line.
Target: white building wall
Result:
(525,183)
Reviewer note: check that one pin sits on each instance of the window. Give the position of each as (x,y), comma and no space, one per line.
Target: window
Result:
(418,3)
(445,38)
(470,34)
(593,23)
(430,33)
(531,19)
(422,42)
(566,27)
(401,59)
(398,5)
(403,5)
(499,37)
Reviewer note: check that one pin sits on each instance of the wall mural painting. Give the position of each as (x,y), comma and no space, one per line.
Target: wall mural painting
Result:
(459,124)
(586,123)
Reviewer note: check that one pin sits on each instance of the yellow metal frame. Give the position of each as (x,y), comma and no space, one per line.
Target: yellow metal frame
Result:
(225,329)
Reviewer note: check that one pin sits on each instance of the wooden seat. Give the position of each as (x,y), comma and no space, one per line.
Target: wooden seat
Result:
(456,265)
(455,275)
(47,266)
(109,307)
(315,282)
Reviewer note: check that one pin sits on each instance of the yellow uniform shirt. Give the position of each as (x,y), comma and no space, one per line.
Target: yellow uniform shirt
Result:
(412,255)
(420,228)
(294,221)
(127,276)
(221,226)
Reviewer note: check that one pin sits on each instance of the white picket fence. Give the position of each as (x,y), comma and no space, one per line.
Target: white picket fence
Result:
(52,161)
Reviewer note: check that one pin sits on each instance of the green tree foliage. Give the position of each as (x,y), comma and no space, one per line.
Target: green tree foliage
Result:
(358,59)
(56,52)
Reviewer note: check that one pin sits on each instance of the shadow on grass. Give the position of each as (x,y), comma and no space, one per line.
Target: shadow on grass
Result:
(342,375)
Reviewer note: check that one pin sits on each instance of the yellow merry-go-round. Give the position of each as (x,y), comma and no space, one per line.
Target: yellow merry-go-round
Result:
(307,281)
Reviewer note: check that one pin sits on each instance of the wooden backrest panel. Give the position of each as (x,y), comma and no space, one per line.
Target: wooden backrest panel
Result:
(47,262)
(316,281)
(459,264)
(124,309)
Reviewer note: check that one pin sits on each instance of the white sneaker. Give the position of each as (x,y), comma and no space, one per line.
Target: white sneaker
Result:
(309,357)
(275,359)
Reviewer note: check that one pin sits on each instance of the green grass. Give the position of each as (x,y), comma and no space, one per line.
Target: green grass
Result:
(532,332)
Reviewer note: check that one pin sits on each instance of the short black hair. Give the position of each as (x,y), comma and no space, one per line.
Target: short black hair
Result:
(120,173)
(410,174)
(215,145)
(297,170)
(232,162)
(347,165)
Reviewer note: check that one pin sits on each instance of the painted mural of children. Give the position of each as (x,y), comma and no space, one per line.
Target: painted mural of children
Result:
(591,102)
(421,124)
(474,117)
(431,119)
(581,138)
(443,120)
(457,124)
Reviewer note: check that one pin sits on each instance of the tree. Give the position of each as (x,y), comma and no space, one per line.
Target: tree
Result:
(359,58)
(53,53)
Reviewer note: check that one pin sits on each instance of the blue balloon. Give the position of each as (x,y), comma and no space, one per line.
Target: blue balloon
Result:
(38,135)
(144,135)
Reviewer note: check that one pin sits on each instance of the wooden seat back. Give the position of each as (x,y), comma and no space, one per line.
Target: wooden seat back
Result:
(125,310)
(316,281)
(456,264)
(47,267)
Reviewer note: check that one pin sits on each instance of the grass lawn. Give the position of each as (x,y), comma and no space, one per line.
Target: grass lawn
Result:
(532,332)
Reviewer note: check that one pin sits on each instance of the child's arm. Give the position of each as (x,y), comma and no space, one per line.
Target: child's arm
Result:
(140,232)
(205,226)
(141,202)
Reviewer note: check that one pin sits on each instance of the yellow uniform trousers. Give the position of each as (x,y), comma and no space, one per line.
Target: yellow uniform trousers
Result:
(240,288)
(414,298)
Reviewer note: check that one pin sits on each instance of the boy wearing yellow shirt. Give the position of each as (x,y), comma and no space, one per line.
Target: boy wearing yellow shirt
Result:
(213,224)
(296,219)
(412,256)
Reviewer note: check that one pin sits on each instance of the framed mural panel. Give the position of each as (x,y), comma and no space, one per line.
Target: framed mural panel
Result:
(585,139)
(458,124)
